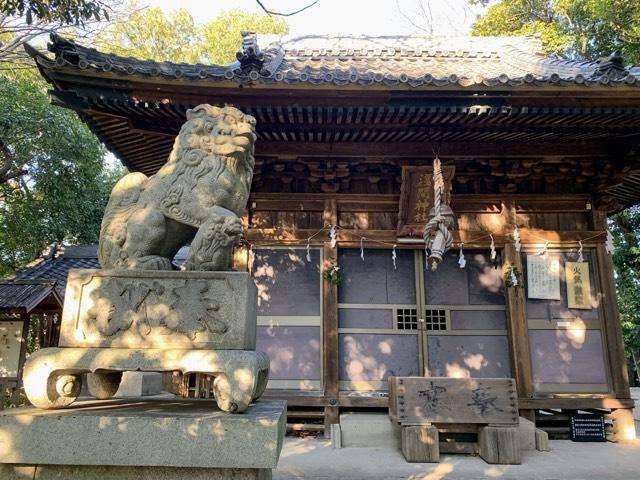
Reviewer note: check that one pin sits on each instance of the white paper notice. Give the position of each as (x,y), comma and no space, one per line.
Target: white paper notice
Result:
(543,276)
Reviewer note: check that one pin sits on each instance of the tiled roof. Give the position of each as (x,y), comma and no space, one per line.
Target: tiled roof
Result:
(45,276)
(25,296)
(31,285)
(54,265)
(392,61)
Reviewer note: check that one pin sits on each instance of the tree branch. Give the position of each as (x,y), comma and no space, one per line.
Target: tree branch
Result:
(271,12)
(10,169)
(410,20)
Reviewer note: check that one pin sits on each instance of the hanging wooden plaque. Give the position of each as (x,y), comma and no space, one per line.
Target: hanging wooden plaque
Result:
(578,286)
(416,197)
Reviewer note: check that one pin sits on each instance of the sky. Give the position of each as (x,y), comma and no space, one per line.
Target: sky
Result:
(359,17)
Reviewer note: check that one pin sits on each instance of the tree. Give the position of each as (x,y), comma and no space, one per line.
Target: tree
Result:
(53,182)
(69,12)
(16,31)
(625,226)
(150,34)
(573,28)
(56,186)
(221,37)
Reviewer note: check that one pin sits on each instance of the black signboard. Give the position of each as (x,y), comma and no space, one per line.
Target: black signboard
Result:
(587,427)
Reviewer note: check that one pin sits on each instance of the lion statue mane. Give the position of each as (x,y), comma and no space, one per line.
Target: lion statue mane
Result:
(197,197)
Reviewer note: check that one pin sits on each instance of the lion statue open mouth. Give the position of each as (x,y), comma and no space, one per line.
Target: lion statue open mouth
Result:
(197,197)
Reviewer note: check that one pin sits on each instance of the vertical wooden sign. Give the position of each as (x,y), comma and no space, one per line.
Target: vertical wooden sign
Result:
(416,198)
(578,286)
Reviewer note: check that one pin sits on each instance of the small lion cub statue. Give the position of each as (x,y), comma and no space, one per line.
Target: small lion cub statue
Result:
(197,197)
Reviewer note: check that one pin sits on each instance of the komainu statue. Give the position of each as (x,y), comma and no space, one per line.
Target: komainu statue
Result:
(197,196)
(125,317)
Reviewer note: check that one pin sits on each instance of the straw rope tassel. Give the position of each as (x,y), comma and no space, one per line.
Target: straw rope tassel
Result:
(437,236)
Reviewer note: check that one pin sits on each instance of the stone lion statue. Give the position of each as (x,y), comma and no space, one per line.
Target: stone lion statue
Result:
(197,196)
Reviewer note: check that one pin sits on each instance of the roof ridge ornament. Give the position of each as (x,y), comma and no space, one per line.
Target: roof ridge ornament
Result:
(250,56)
(612,66)
(63,48)
(253,59)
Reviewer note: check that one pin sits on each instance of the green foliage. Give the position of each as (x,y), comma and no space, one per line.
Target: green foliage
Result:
(69,12)
(149,34)
(331,273)
(60,187)
(574,28)
(513,273)
(625,227)
(53,182)
(221,37)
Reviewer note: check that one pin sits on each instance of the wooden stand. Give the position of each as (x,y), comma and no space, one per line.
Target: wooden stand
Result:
(499,444)
(420,443)
(489,406)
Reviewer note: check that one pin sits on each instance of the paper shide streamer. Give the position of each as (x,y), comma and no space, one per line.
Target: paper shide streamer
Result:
(333,235)
(516,239)
(580,257)
(608,244)
(462,262)
(393,257)
(493,248)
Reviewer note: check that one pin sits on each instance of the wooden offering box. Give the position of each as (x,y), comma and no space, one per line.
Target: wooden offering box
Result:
(421,405)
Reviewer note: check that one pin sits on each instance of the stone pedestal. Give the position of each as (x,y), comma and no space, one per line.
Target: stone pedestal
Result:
(171,439)
(117,321)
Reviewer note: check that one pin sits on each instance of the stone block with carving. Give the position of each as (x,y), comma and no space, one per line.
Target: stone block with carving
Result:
(118,321)
(146,309)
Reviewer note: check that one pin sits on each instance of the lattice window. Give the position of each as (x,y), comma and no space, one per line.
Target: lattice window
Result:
(435,319)
(407,319)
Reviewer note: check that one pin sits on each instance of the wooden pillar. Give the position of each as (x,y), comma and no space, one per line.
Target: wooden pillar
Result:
(612,329)
(25,318)
(330,325)
(611,324)
(517,330)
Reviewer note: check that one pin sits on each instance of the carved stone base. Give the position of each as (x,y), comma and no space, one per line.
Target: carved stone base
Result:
(52,376)
(159,309)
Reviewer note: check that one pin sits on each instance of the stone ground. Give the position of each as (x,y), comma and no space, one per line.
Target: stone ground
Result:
(315,459)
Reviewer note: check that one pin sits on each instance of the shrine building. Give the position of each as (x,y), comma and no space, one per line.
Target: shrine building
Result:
(536,152)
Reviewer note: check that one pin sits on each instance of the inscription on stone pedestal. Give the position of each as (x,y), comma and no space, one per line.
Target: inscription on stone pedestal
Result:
(139,309)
